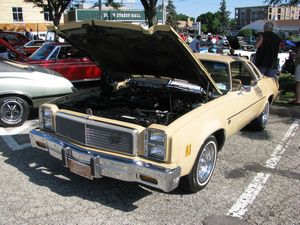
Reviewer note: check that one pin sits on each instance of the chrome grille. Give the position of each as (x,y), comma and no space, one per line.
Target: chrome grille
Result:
(107,139)
(96,134)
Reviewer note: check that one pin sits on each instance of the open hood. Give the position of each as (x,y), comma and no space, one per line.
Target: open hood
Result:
(127,49)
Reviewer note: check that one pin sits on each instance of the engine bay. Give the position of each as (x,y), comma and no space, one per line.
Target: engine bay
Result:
(140,101)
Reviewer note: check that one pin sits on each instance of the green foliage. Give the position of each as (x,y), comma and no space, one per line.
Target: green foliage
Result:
(181,17)
(224,18)
(171,14)
(232,23)
(245,32)
(55,8)
(113,4)
(209,22)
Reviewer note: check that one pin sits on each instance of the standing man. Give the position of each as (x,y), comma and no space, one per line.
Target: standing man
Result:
(267,46)
(195,44)
(28,34)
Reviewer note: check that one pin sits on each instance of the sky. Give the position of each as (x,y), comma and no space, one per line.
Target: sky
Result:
(194,8)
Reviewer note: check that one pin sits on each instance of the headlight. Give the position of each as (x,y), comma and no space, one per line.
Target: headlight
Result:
(155,144)
(46,116)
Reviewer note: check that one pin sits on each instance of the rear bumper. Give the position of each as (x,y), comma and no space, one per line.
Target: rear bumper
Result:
(92,164)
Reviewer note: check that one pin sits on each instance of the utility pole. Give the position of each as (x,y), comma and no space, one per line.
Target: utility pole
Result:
(163,12)
(100,9)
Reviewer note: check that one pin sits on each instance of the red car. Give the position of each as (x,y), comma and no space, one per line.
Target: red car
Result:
(15,39)
(67,61)
(62,58)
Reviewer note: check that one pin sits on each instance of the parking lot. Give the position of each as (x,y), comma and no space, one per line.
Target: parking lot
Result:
(256,181)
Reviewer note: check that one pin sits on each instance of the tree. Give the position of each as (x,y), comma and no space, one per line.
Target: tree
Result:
(278,2)
(210,22)
(150,11)
(171,14)
(181,17)
(224,18)
(114,5)
(55,8)
(245,32)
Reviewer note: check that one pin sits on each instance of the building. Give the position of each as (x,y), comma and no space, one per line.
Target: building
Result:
(121,15)
(16,15)
(247,15)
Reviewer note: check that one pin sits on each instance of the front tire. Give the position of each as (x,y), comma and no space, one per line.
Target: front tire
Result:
(14,111)
(203,167)
(260,122)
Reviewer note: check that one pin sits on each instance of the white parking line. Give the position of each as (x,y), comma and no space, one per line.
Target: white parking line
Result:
(247,198)
(10,141)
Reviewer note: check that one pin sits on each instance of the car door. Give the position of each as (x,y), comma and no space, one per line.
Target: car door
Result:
(73,65)
(246,94)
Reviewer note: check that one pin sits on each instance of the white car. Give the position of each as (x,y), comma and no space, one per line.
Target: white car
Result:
(24,87)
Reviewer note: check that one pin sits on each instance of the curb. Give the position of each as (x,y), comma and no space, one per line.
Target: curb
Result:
(293,111)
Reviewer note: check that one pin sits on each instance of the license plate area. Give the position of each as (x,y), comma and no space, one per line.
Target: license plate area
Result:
(79,168)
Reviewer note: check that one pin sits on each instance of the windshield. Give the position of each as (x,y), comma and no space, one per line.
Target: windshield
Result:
(219,73)
(43,52)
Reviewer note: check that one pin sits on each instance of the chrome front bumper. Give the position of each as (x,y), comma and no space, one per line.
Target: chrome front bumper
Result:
(92,164)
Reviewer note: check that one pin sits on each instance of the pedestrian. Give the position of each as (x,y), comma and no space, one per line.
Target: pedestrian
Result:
(28,34)
(297,76)
(195,44)
(31,34)
(289,64)
(267,46)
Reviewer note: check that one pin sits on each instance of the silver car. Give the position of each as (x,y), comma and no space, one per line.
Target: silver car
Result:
(24,87)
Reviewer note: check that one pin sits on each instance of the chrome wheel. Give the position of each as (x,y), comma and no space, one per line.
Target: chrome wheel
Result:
(14,111)
(11,111)
(203,167)
(206,163)
(265,113)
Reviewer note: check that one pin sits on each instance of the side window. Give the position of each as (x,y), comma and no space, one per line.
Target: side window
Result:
(256,71)
(63,53)
(241,73)
(73,53)
(54,54)
(219,73)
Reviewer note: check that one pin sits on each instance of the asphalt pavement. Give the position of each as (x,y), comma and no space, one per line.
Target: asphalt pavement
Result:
(289,111)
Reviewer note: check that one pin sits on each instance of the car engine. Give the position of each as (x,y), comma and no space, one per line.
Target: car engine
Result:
(139,101)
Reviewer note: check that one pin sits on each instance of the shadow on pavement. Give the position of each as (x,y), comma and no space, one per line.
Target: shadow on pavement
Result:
(44,170)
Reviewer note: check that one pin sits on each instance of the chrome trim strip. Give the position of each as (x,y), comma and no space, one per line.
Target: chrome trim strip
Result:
(103,164)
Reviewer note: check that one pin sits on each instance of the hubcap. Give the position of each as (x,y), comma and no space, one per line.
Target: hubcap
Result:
(11,111)
(265,114)
(206,162)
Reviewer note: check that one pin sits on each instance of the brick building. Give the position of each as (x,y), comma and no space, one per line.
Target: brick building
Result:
(247,15)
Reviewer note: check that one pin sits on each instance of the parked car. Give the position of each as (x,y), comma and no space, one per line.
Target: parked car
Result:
(66,60)
(14,38)
(31,46)
(24,87)
(60,57)
(12,53)
(159,117)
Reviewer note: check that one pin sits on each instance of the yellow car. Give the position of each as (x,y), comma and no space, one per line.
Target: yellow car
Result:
(161,113)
